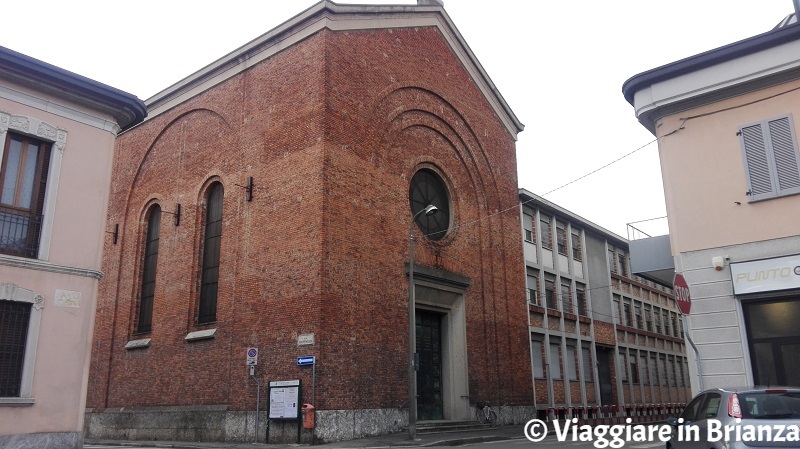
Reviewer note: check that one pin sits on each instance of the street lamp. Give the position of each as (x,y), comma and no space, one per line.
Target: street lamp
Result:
(429,210)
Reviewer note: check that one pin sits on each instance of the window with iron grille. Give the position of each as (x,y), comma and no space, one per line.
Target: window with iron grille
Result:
(637,312)
(14,320)
(211,255)
(665,321)
(23,179)
(149,271)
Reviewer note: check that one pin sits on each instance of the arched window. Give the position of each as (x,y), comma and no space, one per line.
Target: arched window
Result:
(211,244)
(149,265)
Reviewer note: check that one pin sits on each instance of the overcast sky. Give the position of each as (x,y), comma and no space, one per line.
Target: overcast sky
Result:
(559,64)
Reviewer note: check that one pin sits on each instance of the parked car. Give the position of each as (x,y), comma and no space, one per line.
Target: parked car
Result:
(741,418)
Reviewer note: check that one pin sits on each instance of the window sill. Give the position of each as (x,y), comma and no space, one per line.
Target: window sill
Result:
(138,344)
(201,335)
(17,402)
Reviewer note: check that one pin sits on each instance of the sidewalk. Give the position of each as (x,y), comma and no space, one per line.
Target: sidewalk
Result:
(382,441)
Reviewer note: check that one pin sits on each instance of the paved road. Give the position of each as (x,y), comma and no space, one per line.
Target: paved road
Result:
(552,442)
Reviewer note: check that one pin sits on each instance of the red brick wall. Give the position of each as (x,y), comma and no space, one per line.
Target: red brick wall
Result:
(330,132)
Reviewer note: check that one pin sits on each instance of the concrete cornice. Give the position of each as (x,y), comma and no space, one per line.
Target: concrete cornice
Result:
(745,66)
(127,109)
(329,15)
(40,265)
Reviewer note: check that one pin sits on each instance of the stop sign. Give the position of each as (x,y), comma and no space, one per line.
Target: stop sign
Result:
(681,291)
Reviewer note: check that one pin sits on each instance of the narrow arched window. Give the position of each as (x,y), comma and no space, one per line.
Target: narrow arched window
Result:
(211,244)
(145,321)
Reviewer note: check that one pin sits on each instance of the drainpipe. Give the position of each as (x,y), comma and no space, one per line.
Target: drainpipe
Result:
(796,10)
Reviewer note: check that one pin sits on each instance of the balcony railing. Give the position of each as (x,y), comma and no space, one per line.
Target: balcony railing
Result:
(19,233)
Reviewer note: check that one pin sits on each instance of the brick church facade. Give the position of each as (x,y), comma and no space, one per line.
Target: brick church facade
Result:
(266,202)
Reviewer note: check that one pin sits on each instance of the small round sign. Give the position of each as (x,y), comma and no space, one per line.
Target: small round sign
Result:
(681,291)
(252,352)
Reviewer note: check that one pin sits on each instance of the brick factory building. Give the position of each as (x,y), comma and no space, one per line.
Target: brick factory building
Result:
(266,202)
(600,334)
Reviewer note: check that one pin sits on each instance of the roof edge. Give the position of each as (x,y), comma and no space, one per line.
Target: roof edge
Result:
(126,108)
(709,58)
(248,54)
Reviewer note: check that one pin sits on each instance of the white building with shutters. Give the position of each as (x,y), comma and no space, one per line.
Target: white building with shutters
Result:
(726,122)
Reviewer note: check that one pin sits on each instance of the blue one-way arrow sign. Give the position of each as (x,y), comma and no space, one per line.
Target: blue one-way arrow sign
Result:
(307,360)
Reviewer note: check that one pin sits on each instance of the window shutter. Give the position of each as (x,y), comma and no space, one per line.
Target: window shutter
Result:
(771,159)
(757,165)
(783,147)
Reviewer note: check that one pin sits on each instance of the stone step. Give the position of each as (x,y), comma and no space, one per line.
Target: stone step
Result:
(431,427)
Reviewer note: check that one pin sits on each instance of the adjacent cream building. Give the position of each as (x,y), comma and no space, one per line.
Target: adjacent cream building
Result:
(57,132)
(726,122)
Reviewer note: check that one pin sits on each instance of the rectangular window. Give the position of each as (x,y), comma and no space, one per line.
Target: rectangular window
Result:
(648,317)
(623,267)
(527,226)
(547,233)
(626,308)
(657,320)
(662,369)
(612,260)
(770,158)
(566,298)
(572,368)
(623,368)
(561,238)
(665,321)
(645,377)
(580,297)
(533,286)
(615,310)
(637,313)
(654,369)
(673,372)
(577,248)
(14,320)
(634,368)
(537,346)
(23,179)
(588,371)
(555,359)
(550,294)
(674,318)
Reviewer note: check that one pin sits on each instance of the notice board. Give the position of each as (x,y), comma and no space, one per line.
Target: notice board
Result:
(284,399)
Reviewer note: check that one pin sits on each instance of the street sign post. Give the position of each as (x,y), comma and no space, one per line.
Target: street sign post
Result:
(252,357)
(682,297)
(305,360)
